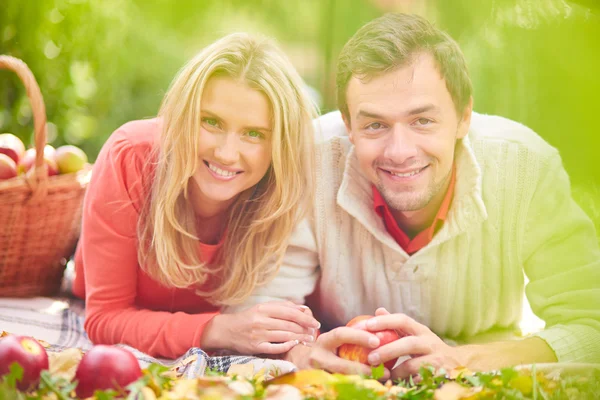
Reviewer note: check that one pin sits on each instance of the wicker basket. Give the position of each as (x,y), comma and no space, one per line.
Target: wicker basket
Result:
(40,216)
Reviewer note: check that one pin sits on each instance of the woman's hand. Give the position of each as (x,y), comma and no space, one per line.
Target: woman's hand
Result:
(268,328)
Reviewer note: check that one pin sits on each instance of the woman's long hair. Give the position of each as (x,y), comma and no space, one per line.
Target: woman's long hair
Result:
(262,218)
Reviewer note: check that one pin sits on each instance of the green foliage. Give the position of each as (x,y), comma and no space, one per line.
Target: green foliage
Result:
(102,63)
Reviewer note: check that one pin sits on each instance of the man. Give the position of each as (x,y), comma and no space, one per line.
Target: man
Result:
(431,214)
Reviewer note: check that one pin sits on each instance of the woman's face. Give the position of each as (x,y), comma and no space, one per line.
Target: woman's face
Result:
(235,141)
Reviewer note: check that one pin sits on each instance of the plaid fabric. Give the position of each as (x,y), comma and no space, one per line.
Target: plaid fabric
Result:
(59,322)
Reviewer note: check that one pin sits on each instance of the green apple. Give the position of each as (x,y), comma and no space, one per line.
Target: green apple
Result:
(70,159)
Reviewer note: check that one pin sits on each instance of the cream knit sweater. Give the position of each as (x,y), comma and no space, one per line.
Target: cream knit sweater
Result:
(512,213)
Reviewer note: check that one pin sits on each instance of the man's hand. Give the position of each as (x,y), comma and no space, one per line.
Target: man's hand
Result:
(322,354)
(424,346)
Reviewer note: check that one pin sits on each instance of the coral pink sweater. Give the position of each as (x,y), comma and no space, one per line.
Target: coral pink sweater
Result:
(123,304)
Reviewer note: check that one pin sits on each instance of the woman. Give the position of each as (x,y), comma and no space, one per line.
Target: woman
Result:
(185,211)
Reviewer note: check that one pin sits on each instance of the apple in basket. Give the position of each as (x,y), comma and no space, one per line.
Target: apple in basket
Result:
(106,367)
(354,352)
(28,353)
(70,159)
(11,146)
(8,168)
(28,160)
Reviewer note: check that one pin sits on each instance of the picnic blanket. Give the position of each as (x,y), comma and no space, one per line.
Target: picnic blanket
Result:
(59,322)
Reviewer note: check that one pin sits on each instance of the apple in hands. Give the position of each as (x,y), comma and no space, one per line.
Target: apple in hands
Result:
(28,353)
(354,352)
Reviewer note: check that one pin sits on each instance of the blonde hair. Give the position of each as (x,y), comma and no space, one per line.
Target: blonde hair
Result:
(262,218)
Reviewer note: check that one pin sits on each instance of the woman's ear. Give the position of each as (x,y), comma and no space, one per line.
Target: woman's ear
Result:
(465,120)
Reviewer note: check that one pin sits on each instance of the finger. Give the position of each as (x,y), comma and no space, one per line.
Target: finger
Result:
(332,363)
(344,335)
(276,348)
(406,346)
(400,322)
(291,314)
(286,336)
(381,311)
(306,310)
(410,367)
(273,324)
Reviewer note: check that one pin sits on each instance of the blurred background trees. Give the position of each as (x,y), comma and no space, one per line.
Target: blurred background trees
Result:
(102,63)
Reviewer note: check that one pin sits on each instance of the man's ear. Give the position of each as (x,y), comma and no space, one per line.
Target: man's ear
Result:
(465,120)
(346,119)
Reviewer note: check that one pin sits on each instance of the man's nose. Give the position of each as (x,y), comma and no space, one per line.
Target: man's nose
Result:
(401,145)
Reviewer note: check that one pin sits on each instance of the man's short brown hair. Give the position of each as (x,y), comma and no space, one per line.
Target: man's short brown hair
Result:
(391,42)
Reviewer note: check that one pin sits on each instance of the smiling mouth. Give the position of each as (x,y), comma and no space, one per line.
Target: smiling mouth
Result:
(407,174)
(221,172)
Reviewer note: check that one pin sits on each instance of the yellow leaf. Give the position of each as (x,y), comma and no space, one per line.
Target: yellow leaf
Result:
(241,370)
(64,363)
(451,391)
(283,392)
(523,383)
(300,379)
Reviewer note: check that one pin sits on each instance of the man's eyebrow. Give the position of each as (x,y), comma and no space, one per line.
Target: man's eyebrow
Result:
(414,111)
(367,114)
(423,108)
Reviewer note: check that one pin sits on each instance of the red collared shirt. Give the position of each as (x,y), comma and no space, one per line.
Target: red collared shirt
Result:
(415,244)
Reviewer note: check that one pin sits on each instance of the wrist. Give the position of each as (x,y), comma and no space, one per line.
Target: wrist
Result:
(297,355)
(215,335)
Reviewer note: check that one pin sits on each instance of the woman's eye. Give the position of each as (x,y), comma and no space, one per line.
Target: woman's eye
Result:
(210,121)
(255,134)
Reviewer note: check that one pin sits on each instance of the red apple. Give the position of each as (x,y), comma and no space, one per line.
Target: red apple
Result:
(354,352)
(106,367)
(12,146)
(28,353)
(70,159)
(8,168)
(28,160)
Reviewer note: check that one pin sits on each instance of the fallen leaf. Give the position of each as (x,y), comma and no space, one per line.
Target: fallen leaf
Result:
(242,370)
(65,362)
(451,391)
(283,392)
(300,379)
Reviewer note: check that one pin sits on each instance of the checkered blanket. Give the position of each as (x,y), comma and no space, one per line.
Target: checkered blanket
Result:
(59,322)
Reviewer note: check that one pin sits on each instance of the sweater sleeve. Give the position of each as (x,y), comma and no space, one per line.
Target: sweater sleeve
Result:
(562,262)
(297,276)
(109,252)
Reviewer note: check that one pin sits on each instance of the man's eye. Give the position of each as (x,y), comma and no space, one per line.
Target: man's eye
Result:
(375,126)
(424,121)
(210,121)
(255,134)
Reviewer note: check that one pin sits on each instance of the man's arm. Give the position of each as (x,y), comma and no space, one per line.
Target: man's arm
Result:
(562,262)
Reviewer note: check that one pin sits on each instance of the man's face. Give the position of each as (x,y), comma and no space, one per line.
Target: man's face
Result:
(404,127)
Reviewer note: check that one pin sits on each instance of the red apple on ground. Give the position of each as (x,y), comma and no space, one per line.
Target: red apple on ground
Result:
(12,146)
(106,367)
(70,159)
(354,352)
(28,160)
(8,168)
(28,353)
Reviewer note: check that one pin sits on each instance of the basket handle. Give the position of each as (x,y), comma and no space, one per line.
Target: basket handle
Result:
(38,181)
